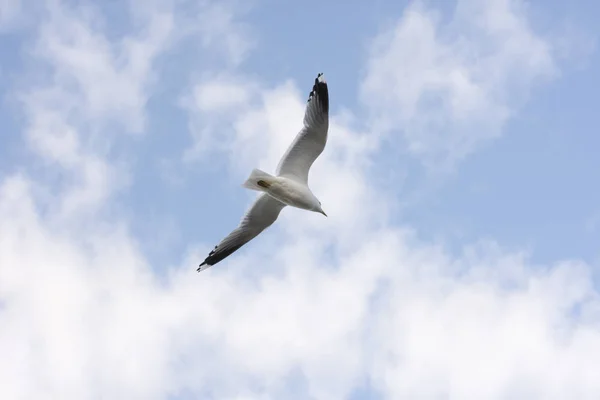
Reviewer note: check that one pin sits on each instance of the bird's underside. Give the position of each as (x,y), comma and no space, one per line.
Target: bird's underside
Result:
(294,165)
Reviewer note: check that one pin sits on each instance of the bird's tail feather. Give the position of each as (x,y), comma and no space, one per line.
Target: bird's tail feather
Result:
(258,180)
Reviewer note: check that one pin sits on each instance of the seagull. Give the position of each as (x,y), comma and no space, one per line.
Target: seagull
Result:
(290,185)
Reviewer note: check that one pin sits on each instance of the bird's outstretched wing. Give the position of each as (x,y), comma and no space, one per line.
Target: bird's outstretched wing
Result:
(259,216)
(310,141)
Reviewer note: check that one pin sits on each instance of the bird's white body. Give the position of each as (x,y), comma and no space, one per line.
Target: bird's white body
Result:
(291,192)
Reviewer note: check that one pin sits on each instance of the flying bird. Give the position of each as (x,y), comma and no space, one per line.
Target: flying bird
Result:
(290,184)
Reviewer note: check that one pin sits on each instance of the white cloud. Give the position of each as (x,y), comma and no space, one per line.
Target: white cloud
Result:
(210,103)
(109,80)
(88,87)
(82,91)
(84,315)
(221,29)
(450,87)
(213,96)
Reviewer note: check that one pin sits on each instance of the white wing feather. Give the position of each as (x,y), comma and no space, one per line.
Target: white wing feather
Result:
(259,216)
(310,141)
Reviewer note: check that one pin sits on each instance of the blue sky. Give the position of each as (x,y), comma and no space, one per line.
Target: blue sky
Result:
(460,257)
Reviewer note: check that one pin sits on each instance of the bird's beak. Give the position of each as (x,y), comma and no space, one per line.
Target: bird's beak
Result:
(323,212)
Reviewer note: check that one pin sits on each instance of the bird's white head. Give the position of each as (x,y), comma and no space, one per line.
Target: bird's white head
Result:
(318,208)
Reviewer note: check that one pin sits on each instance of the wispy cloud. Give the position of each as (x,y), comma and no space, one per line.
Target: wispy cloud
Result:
(86,89)
(449,86)
(90,87)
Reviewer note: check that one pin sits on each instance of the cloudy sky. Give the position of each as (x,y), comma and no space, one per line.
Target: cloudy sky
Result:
(461,256)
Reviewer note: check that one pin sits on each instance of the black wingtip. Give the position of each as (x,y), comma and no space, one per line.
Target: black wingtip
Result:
(205,265)
(320,89)
(215,257)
